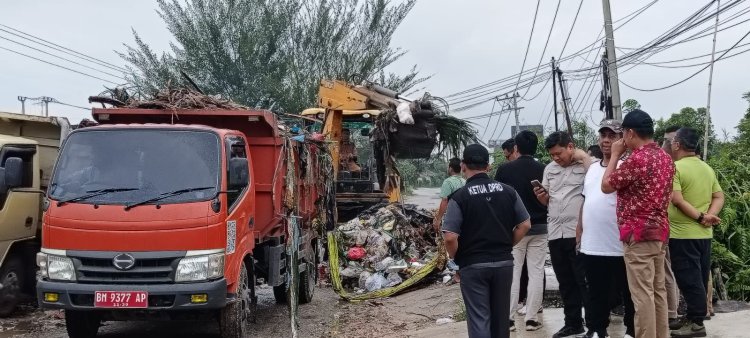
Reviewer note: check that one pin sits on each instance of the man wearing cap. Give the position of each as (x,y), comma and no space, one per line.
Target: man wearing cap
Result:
(484,220)
(599,240)
(643,183)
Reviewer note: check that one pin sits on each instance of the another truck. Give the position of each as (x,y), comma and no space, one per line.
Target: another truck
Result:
(160,214)
(28,149)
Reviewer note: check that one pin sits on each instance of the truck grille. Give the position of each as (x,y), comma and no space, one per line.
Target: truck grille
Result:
(149,267)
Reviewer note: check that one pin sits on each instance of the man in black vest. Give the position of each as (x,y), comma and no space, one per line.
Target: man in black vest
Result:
(484,220)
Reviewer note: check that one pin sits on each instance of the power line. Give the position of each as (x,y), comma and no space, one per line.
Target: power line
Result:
(61,58)
(691,76)
(580,4)
(56,65)
(60,48)
(631,16)
(546,43)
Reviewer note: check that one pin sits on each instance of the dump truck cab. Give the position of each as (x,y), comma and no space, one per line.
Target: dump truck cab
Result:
(150,220)
(28,149)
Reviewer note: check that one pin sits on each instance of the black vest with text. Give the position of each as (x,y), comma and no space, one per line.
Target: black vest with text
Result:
(488,221)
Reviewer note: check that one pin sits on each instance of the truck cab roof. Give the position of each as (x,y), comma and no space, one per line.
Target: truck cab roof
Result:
(7,139)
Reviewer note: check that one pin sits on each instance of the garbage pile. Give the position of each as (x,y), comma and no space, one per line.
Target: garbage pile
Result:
(384,246)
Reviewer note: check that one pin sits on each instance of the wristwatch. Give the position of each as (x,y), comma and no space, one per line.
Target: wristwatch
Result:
(700,218)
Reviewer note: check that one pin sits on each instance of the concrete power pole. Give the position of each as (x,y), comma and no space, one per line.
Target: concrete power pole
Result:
(23,103)
(612,61)
(515,111)
(710,82)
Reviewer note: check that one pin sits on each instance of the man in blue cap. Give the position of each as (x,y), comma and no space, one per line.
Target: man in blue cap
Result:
(484,220)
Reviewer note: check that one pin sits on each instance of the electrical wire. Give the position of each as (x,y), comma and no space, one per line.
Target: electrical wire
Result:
(631,16)
(60,48)
(691,76)
(56,65)
(546,43)
(580,4)
(62,58)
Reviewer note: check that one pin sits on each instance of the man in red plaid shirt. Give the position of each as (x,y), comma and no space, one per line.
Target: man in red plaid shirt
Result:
(644,185)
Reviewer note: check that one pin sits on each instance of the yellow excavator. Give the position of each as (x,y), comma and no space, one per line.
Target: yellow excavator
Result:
(370,126)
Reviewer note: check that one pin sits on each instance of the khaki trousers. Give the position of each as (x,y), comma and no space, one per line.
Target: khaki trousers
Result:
(532,248)
(644,262)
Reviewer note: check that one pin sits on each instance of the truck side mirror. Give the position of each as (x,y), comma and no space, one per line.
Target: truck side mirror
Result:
(365,132)
(13,172)
(238,173)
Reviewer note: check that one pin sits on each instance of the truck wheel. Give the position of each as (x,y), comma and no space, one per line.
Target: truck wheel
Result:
(82,324)
(308,279)
(12,280)
(234,318)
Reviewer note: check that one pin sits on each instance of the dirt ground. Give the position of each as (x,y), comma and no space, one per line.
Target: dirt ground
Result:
(326,316)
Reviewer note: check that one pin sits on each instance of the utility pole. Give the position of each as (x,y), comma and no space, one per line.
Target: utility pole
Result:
(45,105)
(23,103)
(516,110)
(554,92)
(612,61)
(565,99)
(710,82)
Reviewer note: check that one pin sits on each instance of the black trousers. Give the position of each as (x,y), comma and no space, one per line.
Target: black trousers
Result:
(486,293)
(691,264)
(571,275)
(606,275)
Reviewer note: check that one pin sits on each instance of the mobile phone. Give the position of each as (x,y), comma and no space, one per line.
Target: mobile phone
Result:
(537,184)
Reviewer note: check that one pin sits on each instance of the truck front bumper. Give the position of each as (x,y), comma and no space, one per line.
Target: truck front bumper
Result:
(177,297)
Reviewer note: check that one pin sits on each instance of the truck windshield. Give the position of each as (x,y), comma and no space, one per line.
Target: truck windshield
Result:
(136,164)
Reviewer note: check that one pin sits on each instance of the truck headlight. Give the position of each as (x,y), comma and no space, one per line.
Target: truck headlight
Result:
(56,267)
(200,268)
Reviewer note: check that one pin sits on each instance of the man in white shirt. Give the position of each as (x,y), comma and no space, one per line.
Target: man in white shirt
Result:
(598,237)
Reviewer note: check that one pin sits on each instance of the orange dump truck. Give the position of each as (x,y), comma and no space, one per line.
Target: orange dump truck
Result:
(169,215)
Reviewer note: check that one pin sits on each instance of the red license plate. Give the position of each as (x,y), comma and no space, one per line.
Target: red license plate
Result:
(121,299)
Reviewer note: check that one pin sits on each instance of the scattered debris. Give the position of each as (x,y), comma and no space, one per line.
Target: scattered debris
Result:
(399,245)
(443,321)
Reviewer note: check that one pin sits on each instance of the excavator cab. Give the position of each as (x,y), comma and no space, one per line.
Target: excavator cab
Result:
(364,147)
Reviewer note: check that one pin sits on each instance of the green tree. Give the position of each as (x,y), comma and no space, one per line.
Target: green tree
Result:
(272,53)
(731,248)
(687,117)
(583,135)
(630,105)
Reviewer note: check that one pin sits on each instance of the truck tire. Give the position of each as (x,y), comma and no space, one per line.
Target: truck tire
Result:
(307,281)
(82,324)
(234,318)
(12,278)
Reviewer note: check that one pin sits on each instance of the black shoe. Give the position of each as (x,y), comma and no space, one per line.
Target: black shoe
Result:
(532,325)
(512,326)
(676,323)
(568,331)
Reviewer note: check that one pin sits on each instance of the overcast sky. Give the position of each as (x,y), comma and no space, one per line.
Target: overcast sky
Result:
(462,44)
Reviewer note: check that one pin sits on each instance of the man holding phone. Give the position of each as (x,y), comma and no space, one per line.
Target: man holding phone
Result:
(521,174)
(561,189)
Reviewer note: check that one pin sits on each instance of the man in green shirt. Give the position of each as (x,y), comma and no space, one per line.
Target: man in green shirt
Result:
(454,182)
(697,199)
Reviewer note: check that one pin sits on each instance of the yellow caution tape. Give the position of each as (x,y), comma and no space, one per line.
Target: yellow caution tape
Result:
(333,264)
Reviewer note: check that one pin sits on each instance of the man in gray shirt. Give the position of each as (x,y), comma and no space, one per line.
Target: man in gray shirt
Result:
(561,193)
